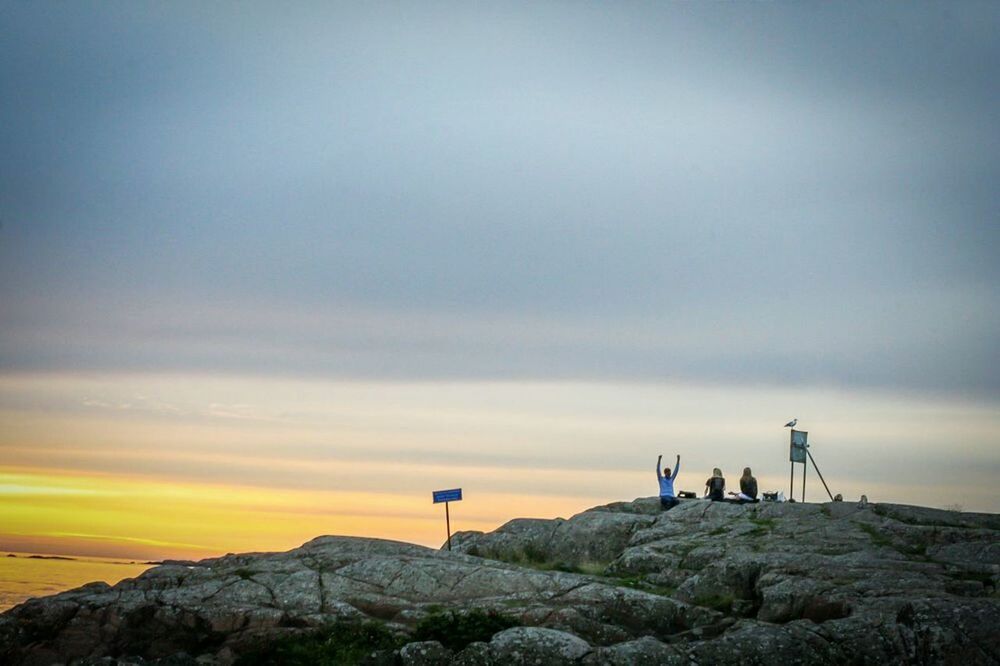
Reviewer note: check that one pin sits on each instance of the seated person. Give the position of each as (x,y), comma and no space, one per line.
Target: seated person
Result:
(715,486)
(748,487)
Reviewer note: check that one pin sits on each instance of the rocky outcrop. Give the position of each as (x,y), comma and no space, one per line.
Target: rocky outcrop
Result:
(620,584)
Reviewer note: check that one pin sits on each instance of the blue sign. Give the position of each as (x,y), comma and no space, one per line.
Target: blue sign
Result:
(453,495)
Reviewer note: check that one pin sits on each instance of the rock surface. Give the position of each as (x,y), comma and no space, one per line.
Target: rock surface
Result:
(624,583)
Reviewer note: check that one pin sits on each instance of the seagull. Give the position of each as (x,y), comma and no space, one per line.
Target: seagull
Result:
(791,424)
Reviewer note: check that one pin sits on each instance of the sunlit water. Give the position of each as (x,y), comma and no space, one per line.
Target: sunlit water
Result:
(23,577)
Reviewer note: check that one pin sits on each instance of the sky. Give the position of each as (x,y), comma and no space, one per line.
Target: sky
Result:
(273,272)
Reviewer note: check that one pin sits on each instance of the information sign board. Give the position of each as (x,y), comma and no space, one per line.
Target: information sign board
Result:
(452,495)
(799,444)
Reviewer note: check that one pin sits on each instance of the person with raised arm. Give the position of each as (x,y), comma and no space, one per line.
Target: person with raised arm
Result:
(668,499)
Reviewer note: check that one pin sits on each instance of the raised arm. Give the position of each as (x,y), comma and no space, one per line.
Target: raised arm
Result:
(658,459)
(677,466)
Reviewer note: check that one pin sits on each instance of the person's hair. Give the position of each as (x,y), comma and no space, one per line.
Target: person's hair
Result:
(716,472)
(666,471)
(747,472)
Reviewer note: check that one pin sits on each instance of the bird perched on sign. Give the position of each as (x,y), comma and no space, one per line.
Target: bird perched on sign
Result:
(791,424)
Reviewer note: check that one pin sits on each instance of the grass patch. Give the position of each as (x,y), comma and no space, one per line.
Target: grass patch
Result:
(345,642)
(717,531)
(762,526)
(875,535)
(591,568)
(984,579)
(456,630)
(768,523)
(878,538)
(565,567)
(831,551)
(537,559)
(640,583)
(720,602)
(901,517)
(533,553)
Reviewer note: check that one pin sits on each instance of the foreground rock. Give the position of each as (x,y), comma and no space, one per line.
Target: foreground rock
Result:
(703,583)
(834,582)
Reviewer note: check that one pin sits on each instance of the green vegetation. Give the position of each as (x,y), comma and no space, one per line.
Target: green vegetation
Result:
(587,568)
(720,602)
(763,526)
(533,553)
(456,630)
(768,523)
(925,521)
(985,579)
(875,535)
(832,550)
(534,557)
(343,643)
(348,642)
(918,550)
(639,583)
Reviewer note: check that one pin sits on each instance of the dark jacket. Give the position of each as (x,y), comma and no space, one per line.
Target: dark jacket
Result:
(716,488)
(748,486)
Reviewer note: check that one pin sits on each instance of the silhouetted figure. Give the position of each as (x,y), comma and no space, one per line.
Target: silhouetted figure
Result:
(668,499)
(748,486)
(715,486)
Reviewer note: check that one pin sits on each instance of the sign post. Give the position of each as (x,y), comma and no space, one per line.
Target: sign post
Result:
(446,496)
(797,451)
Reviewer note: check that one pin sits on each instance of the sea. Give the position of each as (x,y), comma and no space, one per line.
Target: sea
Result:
(27,575)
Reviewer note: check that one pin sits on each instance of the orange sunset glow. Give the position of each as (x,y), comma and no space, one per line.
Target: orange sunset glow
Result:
(115,516)
(171,466)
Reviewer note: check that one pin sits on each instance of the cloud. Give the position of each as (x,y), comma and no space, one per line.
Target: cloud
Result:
(731,193)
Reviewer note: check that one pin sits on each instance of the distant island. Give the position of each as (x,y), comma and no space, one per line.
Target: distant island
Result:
(43,557)
(625,583)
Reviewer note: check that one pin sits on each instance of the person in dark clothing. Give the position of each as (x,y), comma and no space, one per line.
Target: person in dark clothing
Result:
(715,486)
(748,486)
(668,499)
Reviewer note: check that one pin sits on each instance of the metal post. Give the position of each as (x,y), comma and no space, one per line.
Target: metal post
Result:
(791,484)
(447,519)
(816,467)
(804,480)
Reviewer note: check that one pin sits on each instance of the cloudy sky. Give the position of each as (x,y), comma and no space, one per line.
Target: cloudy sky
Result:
(268,258)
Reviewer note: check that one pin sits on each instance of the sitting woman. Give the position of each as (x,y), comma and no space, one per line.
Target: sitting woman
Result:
(715,486)
(748,487)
